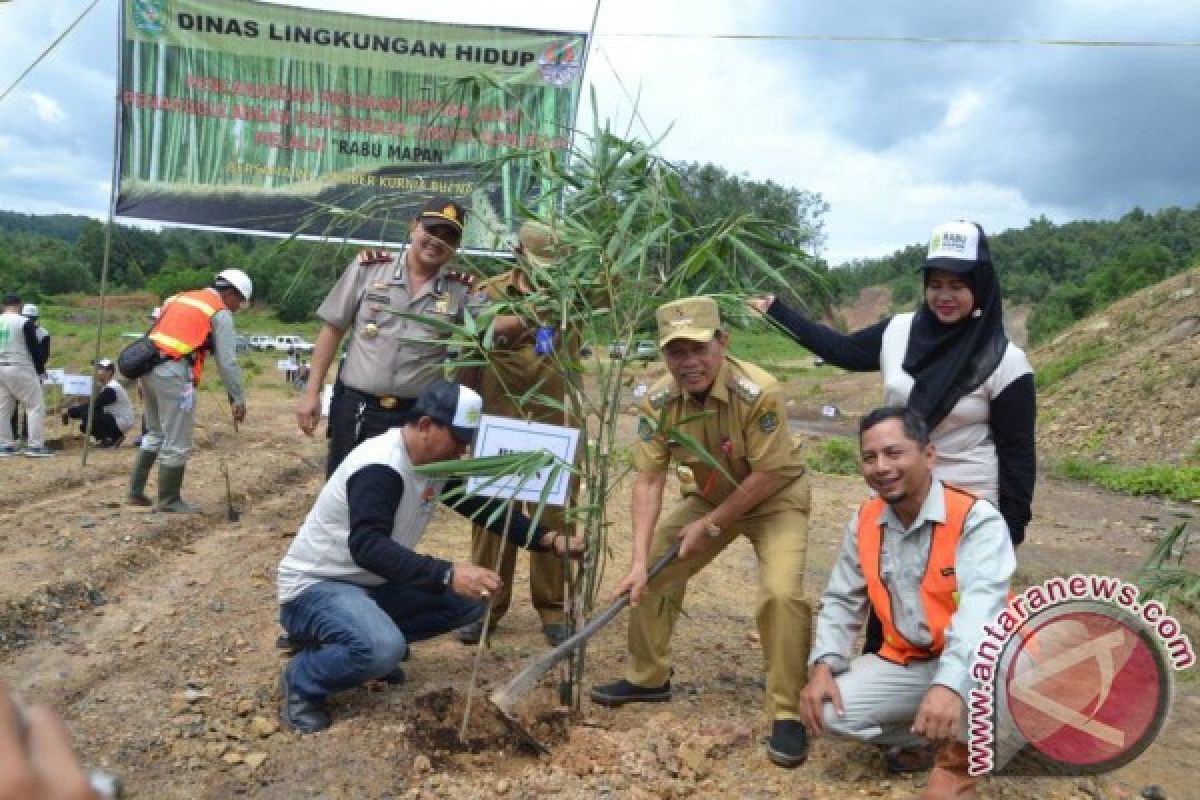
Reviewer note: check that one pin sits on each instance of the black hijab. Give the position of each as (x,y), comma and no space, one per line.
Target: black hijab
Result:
(950,361)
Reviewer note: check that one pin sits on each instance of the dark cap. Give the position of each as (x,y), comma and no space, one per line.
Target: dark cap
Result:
(12,299)
(958,247)
(453,405)
(443,211)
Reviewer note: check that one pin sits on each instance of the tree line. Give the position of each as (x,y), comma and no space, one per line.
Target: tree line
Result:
(1064,271)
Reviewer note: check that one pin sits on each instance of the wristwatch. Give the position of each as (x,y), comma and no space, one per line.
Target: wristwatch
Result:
(448,576)
(713,529)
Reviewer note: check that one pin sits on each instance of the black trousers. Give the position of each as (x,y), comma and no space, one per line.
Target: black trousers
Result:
(354,417)
(105,426)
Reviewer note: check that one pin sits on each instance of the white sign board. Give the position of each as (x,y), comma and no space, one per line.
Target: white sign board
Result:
(285,364)
(500,436)
(55,375)
(77,385)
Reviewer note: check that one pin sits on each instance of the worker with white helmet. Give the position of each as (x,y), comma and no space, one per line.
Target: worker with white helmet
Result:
(190,325)
(41,356)
(20,367)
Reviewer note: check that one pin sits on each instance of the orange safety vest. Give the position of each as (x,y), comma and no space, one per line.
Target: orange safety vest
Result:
(939,587)
(185,325)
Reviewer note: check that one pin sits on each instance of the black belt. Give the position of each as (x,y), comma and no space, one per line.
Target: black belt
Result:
(381,402)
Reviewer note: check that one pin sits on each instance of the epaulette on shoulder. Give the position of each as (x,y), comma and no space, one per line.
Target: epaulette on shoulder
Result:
(746,389)
(367,258)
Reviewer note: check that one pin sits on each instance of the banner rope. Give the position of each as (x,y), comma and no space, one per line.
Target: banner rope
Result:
(48,50)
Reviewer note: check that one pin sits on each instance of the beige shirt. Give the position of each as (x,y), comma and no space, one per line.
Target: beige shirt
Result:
(389,354)
(742,424)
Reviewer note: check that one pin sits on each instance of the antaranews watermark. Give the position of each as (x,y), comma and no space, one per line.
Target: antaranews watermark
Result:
(1074,677)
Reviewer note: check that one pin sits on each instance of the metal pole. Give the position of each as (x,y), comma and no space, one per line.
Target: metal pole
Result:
(112,205)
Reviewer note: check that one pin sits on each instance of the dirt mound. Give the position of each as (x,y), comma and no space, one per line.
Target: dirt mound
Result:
(872,305)
(1124,385)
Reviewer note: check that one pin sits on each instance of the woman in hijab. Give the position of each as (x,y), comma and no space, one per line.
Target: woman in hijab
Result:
(951,362)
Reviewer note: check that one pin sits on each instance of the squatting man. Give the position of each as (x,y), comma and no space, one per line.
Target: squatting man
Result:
(934,561)
(354,591)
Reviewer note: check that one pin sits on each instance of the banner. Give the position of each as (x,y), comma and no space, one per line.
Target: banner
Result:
(278,119)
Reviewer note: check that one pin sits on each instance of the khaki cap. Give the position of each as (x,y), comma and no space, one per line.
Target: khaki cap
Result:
(694,318)
(539,243)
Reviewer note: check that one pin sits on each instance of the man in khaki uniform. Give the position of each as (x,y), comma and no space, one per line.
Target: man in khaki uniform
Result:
(385,369)
(515,367)
(735,411)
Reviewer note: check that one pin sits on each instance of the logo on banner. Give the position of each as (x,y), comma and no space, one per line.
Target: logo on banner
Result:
(149,16)
(560,63)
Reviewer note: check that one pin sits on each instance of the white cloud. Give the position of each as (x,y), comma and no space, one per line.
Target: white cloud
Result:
(46,108)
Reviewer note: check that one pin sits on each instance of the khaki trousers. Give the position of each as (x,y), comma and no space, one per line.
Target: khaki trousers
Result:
(545,569)
(20,384)
(784,618)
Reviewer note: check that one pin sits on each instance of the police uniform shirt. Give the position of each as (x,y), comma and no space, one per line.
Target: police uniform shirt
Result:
(381,358)
(742,423)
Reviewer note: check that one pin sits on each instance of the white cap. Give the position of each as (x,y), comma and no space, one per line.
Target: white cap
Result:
(238,280)
(156,313)
(957,247)
(29,310)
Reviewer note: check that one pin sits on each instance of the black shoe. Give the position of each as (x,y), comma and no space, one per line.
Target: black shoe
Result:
(907,760)
(471,634)
(618,693)
(555,633)
(788,745)
(302,714)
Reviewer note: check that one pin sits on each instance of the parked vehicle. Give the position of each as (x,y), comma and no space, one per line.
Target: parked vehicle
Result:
(645,351)
(290,342)
(243,344)
(260,341)
(616,351)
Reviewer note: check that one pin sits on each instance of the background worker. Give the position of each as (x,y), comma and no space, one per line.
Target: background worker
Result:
(21,370)
(736,412)
(514,367)
(384,369)
(190,325)
(40,356)
(933,593)
(114,413)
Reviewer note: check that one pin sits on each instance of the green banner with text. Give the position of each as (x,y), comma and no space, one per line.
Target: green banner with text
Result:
(270,118)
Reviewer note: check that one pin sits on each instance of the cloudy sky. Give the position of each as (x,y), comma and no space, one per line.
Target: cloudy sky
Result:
(896,135)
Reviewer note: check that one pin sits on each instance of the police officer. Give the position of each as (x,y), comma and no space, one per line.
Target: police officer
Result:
(515,367)
(190,324)
(384,370)
(735,412)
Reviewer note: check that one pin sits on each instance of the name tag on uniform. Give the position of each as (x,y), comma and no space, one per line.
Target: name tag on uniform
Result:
(442,306)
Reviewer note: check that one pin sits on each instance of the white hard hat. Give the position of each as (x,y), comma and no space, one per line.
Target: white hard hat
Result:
(29,310)
(238,280)
(156,313)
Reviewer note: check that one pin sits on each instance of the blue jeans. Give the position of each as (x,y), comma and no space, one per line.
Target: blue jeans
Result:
(364,630)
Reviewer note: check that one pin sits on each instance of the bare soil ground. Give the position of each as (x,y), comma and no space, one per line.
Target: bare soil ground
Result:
(154,635)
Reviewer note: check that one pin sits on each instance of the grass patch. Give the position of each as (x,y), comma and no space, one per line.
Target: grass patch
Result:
(1054,372)
(836,455)
(1164,480)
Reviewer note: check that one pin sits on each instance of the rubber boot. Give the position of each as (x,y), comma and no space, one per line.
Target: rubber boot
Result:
(949,779)
(136,496)
(170,479)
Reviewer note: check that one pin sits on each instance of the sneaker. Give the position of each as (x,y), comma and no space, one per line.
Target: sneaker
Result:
(788,745)
(471,634)
(302,714)
(555,633)
(37,452)
(618,693)
(7,450)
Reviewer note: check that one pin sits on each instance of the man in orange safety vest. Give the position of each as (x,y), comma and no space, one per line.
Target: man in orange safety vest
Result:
(934,561)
